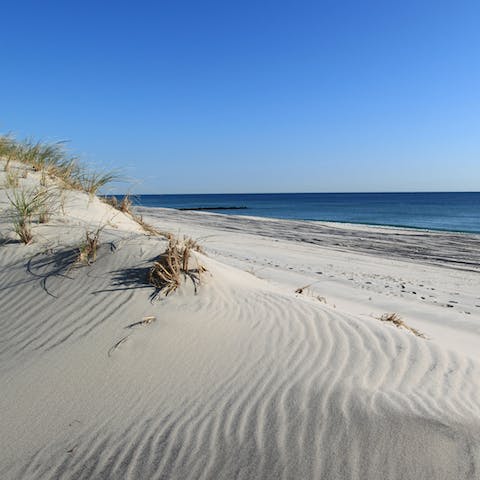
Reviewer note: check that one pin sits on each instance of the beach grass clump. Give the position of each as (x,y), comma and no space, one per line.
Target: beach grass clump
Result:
(123,206)
(41,155)
(44,214)
(112,201)
(53,160)
(11,179)
(396,320)
(26,204)
(174,265)
(126,204)
(87,251)
(91,182)
(8,149)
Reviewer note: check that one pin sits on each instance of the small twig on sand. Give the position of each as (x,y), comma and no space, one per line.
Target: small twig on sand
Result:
(112,349)
(145,321)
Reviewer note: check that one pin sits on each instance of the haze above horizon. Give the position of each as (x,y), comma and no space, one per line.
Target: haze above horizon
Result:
(200,97)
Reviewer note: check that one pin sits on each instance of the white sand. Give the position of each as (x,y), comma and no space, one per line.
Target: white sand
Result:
(246,379)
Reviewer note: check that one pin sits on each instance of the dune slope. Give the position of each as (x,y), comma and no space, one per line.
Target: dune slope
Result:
(241,380)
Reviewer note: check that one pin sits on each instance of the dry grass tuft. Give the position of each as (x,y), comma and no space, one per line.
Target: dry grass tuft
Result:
(305,290)
(11,179)
(44,215)
(399,323)
(112,201)
(150,229)
(173,265)
(7,149)
(125,205)
(87,252)
(192,244)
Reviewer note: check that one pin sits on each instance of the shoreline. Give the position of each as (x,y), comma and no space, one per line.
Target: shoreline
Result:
(460,250)
(327,222)
(324,221)
(432,211)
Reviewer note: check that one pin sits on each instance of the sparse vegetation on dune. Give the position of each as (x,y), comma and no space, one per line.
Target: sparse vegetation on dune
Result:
(111,200)
(92,182)
(25,205)
(53,160)
(87,252)
(174,264)
(150,229)
(60,171)
(126,203)
(396,320)
(57,166)
(7,149)
(11,179)
(54,173)
(125,206)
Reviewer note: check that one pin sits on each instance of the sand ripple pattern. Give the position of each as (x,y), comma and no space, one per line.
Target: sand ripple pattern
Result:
(303,393)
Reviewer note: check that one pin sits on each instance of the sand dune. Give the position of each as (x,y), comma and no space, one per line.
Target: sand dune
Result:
(244,379)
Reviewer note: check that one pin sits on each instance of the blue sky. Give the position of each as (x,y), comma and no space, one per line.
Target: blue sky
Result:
(252,96)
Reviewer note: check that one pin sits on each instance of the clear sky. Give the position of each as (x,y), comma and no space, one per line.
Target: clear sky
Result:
(251,96)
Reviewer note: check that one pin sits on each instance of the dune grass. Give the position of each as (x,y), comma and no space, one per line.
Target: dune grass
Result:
(11,179)
(112,201)
(8,149)
(44,214)
(173,265)
(396,320)
(150,229)
(40,155)
(123,206)
(53,160)
(126,204)
(91,182)
(26,204)
(87,252)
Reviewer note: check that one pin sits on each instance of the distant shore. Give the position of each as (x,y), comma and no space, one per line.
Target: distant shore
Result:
(438,211)
(211,209)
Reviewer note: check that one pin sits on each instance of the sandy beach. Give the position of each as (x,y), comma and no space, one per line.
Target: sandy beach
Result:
(276,367)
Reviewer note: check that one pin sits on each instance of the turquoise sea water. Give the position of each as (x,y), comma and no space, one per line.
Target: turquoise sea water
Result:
(450,211)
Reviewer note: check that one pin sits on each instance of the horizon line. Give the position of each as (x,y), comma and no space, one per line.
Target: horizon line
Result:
(305,193)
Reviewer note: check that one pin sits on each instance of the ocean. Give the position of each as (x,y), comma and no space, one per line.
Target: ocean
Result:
(452,211)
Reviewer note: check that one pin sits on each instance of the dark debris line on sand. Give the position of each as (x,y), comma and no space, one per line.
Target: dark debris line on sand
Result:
(455,250)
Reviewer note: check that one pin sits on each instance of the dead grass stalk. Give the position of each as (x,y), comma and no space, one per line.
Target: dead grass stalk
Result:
(399,323)
(87,252)
(174,265)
